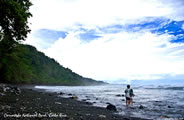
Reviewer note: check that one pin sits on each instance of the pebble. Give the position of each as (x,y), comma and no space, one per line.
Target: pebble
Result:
(165,116)
(5,107)
(10,89)
(88,114)
(126,119)
(2,94)
(108,103)
(74,97)
(102,116)
(84,100)
(62,115)
(58,103)
(17,90)
(88,103)
(119,95)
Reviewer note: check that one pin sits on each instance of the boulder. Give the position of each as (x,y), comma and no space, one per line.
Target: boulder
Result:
(169,106)
(61,93)
(141,107)
(111,107)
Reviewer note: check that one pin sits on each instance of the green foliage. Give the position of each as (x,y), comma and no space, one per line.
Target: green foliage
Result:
(14,27)
(23,63)
(27,65)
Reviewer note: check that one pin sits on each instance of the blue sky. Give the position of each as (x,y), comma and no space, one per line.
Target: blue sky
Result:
(112,40)
(48,37)
(157,26)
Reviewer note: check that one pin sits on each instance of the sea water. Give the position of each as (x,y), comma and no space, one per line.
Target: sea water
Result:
(159,102)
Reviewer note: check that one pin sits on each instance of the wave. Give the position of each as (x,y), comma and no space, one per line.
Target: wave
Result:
(168,88)
(175,88)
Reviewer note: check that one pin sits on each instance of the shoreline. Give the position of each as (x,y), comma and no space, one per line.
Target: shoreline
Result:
(31,103)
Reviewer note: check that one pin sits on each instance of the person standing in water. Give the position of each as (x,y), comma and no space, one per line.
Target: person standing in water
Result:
(129,94)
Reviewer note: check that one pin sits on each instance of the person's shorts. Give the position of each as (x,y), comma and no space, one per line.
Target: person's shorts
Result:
(127,98)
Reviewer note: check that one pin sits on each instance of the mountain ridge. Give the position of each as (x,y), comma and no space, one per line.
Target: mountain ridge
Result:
(26,65)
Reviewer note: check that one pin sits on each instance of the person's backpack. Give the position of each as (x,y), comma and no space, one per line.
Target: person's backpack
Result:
(131,92)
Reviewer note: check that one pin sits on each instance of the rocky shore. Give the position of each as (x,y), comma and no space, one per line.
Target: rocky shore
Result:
(28,103)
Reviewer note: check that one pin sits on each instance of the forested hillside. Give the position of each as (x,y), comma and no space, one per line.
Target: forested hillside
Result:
(25,65)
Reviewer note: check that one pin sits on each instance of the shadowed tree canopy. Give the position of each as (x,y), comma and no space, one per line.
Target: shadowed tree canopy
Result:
(14,27)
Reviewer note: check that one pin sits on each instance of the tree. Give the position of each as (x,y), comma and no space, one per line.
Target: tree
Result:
(14,27)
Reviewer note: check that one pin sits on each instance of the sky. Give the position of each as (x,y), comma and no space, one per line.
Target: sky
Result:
(112,40)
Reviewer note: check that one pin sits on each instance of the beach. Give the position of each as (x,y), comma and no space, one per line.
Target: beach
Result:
(158,102)
(29,103)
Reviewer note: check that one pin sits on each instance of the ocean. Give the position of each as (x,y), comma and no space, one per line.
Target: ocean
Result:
(159,102)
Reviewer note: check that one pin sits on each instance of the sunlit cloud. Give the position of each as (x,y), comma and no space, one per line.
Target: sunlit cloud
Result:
(121,56)
(112,40)
(59,14)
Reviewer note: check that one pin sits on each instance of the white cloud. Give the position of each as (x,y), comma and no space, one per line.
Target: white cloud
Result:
(183,26)
(60,14)
(123,55)
(118,56)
